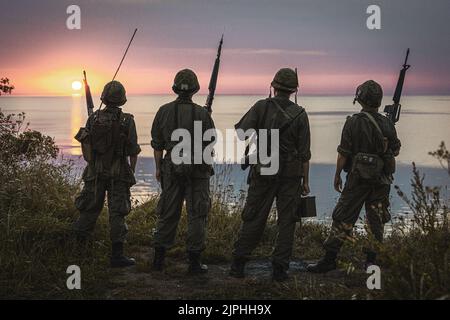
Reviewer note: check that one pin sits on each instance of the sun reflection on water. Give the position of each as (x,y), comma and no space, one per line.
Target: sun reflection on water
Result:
(76,119)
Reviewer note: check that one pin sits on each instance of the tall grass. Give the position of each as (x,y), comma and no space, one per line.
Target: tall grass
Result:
(417,254)
(36,210)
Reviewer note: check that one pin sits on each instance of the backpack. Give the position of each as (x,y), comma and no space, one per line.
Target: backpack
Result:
(103,142)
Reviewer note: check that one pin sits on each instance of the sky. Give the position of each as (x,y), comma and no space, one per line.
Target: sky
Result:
(327,41)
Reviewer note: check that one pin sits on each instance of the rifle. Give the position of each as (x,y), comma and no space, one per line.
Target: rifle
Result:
(393,111)
(89,102)
(213,80)
(296,91)
(87,91)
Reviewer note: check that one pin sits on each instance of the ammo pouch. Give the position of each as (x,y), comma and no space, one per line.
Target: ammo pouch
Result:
(367,166)
(83,137)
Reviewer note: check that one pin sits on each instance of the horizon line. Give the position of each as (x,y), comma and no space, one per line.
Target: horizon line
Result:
(221,94)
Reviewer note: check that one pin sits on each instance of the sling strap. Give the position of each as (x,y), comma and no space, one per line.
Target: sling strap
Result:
(287,115)
(374,122)
(377,126)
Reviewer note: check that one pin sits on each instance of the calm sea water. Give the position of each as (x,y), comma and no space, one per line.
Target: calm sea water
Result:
(425,122)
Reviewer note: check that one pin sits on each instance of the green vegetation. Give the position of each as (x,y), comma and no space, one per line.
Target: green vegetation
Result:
(36,244)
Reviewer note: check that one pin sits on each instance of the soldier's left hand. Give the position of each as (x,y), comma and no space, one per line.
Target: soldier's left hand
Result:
(305,189)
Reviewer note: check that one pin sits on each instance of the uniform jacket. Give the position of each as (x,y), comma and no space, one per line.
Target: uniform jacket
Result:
(295,139)
(165,123)
(360,135)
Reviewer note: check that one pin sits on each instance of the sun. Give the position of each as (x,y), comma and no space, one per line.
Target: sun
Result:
(76,85)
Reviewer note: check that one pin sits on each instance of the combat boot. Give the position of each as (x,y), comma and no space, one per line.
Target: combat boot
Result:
(279,274)
(195,266)
(158,261)
(118,260)
(327,263)
(237,269)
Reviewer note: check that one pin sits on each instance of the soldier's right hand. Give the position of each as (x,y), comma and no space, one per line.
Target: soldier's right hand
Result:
(338,183)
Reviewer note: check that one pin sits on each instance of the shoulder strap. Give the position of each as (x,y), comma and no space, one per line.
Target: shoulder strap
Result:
(280,109)
(374,122)
(287,115)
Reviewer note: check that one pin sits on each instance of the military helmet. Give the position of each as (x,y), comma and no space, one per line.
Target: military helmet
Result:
(369,94)
(185,82)
(114,94)
(286,80)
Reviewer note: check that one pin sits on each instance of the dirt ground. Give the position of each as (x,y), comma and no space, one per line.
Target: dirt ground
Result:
(140,282)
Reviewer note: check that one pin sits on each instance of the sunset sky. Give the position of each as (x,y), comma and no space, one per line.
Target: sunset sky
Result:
(327,40)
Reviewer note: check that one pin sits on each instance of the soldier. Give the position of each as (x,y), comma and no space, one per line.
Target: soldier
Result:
(180,182)
(285,186)
(111,142)
(368,146)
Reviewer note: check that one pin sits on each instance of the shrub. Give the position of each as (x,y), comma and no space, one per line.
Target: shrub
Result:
(36,209)
(417,253)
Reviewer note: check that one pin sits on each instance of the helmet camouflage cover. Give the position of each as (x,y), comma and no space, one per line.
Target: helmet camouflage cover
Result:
(185,82)
(286,80)
(369,94)
(114,94)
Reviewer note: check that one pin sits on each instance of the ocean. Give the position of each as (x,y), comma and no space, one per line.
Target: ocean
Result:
(423,125)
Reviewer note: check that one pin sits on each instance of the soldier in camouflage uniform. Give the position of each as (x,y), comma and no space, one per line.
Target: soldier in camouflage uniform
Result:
(180,182)
(285,186)
(110,140)
(373,136)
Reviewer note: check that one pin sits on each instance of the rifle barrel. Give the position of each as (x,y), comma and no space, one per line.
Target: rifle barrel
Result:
(406,59)
(214,75)
(87,91)
(393,111)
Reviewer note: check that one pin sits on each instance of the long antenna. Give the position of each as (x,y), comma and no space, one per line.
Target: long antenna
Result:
(121,61)
(125,54)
